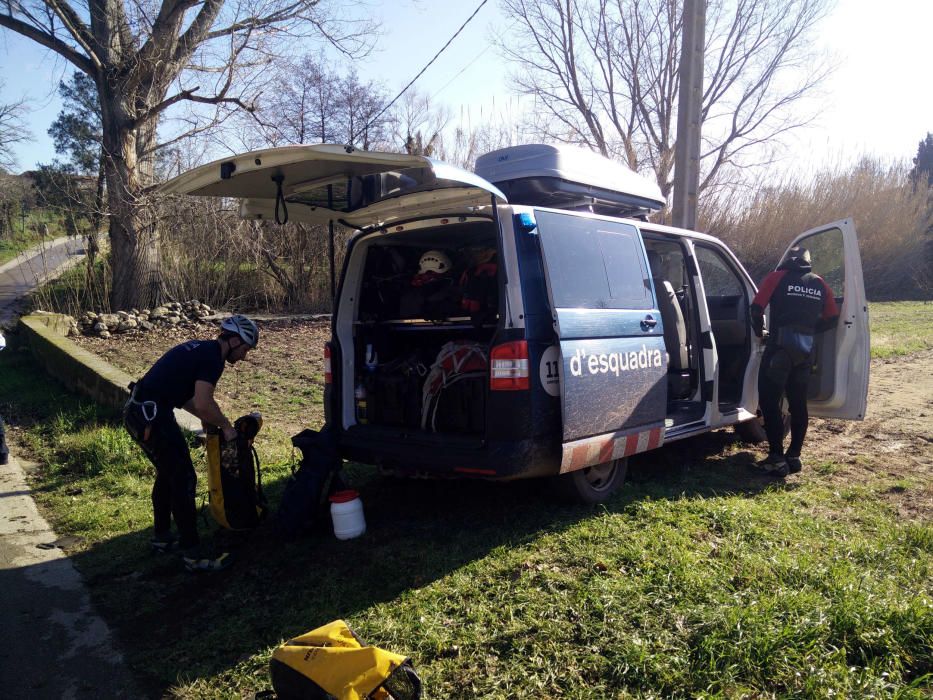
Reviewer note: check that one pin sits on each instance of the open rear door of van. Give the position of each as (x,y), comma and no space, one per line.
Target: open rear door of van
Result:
(614,364)
(320,183)
(839,382)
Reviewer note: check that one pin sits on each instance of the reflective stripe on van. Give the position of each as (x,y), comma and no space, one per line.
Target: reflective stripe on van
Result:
(600,449)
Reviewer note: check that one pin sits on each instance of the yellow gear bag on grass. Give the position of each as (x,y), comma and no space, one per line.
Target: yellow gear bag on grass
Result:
(332,663)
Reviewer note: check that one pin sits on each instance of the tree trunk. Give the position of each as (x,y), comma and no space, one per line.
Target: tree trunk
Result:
(134,235)
(98,215)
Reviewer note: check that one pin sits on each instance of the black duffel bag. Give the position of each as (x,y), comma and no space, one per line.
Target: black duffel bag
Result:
(306,491)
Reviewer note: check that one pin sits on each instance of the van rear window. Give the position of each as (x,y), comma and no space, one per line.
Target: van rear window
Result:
(592,263)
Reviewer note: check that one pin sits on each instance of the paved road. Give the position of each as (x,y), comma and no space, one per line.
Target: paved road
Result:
(26,272)
(52,643)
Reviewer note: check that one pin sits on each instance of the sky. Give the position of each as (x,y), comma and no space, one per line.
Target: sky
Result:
(878,101)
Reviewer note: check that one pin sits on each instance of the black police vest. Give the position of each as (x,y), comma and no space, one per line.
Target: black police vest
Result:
(798,302)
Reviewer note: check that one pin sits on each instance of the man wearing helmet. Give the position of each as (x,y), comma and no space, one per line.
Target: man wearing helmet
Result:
(184,377)
(802,305)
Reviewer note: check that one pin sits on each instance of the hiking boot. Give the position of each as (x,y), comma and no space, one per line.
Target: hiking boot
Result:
(774,465)
(202,560)
(162,542)
(793,463)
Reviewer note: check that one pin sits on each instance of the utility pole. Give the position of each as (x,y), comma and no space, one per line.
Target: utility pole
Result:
(689,102)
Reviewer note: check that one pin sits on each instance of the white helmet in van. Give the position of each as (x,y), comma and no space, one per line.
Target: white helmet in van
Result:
(434,261)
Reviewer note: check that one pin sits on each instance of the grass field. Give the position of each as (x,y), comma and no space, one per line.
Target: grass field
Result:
(699,579)
(900,327)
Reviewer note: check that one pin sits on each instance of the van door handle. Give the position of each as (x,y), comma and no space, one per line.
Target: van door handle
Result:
(648,322)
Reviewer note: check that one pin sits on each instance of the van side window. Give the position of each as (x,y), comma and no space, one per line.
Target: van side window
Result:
(727,304)
(828,258)
(719,279)
(594,264)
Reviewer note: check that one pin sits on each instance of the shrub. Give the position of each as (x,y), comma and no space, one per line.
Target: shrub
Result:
(892,217)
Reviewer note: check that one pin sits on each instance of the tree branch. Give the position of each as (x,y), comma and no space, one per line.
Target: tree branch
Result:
(198,31)
(76,27)
(49,41)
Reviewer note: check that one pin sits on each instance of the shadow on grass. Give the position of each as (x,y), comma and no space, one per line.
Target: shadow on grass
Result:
(177,627)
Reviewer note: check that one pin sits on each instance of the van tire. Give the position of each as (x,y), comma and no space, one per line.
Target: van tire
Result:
(594,484)
(752,432)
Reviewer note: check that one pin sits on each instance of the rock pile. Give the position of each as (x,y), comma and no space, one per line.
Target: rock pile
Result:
(181,314)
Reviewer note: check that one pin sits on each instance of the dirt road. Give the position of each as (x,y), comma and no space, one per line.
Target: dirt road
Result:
(895,439)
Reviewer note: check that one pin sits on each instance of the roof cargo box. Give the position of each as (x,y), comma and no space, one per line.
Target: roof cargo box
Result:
(566,177)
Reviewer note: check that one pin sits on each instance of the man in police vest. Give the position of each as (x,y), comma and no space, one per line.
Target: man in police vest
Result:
(802,305)
(184,377)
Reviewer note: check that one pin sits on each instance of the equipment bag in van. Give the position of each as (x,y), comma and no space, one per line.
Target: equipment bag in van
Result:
(332,663)
(234,477)
(457,361)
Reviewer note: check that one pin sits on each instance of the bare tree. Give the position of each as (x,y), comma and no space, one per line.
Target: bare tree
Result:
(309,101)
(417,124)
(148,57)
(361,111)
(301,105)
(605,74)
(12,131)
(10,189)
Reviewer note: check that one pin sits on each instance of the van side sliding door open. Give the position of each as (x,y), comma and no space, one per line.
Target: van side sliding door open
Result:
(613,359)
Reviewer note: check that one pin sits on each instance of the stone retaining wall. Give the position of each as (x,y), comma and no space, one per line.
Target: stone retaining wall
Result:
(78,369)
(72,365)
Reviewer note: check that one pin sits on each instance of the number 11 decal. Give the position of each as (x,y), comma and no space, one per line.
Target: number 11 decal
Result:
(549,370)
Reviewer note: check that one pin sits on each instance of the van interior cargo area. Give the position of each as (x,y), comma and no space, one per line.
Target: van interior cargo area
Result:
(427,312)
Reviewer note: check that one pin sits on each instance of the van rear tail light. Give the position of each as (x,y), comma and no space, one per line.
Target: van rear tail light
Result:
(328,374)
(508,365)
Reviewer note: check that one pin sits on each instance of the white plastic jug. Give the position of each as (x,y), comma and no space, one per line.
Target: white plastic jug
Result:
(346,510)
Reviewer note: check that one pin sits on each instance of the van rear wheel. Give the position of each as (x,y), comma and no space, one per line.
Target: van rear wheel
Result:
(593,484)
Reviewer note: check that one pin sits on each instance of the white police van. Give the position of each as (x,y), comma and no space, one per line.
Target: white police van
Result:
(527,319)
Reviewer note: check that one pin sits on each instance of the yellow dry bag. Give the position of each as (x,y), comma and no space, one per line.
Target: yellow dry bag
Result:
(332,663)
(234,478)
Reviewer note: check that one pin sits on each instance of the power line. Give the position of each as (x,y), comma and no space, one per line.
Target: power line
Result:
(420,73)
(460,72)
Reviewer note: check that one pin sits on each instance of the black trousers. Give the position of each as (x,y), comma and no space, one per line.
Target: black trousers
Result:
(4,451)
(173,493)
(777,377)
